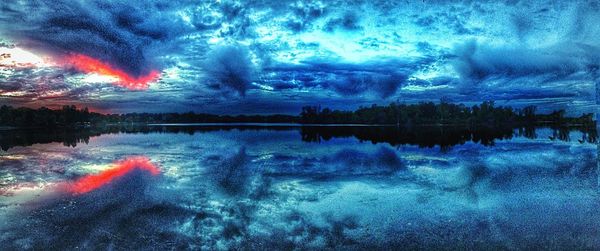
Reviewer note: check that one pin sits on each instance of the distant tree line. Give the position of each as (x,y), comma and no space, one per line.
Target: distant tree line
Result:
(398,114)
(44,117)
(441,113)
(70,116)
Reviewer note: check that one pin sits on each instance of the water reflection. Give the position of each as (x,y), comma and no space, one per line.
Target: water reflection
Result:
(307,188)
(121,168)
(114,208)
(431,136)
(439,136)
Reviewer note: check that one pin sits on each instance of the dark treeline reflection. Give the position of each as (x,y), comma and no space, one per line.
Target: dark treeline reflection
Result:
(70,137)
(425,136)
(444,137)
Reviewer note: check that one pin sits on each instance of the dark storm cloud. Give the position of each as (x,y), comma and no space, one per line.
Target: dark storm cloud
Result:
(120,33)
(381,77)
(478,62)
(229,67)
(384,85)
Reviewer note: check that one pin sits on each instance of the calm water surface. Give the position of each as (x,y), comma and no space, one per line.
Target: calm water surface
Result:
(289,187)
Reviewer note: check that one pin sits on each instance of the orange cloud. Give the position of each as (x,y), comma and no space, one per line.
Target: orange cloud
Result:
(88,64)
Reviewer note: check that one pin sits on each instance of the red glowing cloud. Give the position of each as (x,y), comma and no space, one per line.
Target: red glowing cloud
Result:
(88,64)
(92,182)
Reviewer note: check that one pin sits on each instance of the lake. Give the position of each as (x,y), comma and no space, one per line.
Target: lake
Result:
(253,186)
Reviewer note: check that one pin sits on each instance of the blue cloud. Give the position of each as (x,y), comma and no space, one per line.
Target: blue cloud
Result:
(378,78)
(384,85)
(229,67)
(120,33)
(477,62)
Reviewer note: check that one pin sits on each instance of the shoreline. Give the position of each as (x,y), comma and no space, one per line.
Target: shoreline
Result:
(259,124)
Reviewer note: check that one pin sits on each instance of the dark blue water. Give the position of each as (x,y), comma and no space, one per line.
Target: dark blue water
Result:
(303,188)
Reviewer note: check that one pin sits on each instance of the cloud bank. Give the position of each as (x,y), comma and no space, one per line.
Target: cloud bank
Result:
(261,54)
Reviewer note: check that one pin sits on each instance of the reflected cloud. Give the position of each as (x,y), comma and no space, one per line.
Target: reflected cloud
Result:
(236,175)
(230,173)
(121,168)
(116,207)
(347,162)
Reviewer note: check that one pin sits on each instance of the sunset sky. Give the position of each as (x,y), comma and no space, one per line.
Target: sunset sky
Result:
(264,57)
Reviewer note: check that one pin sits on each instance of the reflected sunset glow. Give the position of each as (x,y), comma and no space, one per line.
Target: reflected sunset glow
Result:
(92,182)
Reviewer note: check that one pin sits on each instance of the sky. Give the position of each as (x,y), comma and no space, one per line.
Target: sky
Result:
(263,57)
